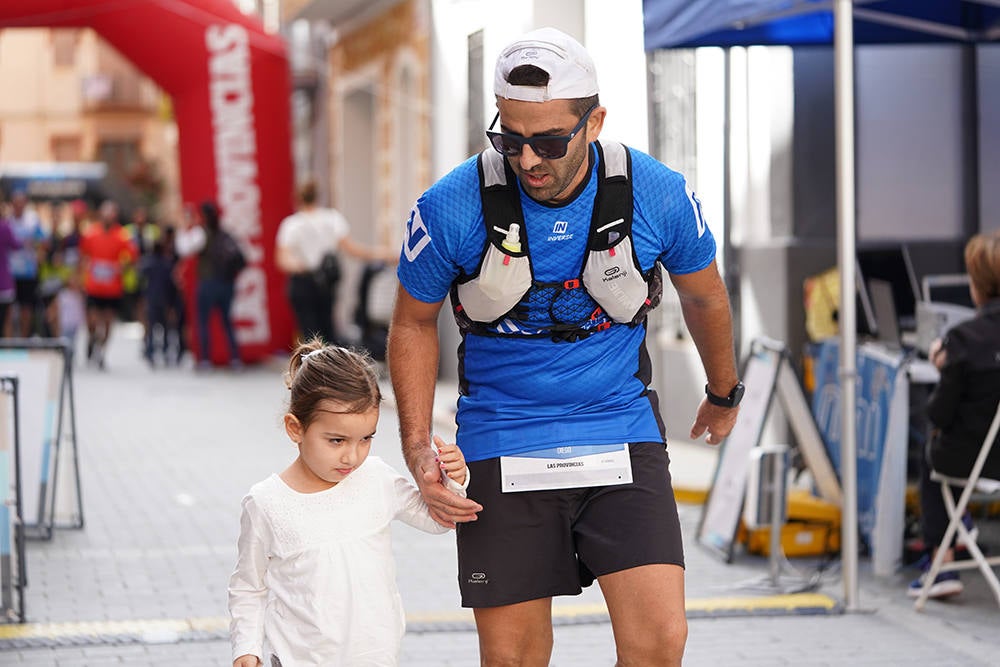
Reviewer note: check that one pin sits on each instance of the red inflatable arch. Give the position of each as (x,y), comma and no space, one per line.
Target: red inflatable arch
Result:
(229,83)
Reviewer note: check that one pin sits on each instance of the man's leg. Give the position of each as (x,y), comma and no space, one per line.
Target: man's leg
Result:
(515,635)
(91,328)
(646,605)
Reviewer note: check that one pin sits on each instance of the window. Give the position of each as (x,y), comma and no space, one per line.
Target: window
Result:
(66,148)
(120,155)
(64,43)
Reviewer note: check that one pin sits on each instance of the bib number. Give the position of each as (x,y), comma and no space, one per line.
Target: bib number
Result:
(566,468)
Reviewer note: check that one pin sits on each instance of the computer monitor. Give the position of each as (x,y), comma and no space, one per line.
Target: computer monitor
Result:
(950,288)
(891,263)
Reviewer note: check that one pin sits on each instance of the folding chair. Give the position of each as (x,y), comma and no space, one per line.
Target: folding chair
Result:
(971,484)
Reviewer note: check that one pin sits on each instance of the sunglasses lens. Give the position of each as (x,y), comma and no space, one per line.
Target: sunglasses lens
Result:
(550,149)
(504,144)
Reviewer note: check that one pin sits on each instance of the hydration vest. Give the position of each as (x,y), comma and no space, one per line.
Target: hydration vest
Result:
(501,297)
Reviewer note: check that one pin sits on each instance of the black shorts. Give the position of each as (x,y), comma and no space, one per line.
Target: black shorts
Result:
(104,303)
(538,544)
(26,291)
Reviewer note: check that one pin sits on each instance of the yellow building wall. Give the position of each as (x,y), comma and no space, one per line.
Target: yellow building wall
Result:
(376,54)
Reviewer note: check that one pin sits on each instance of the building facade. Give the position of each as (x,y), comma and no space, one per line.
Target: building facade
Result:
(69,97)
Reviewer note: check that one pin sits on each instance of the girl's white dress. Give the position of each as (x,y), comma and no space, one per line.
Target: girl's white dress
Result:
(315,582)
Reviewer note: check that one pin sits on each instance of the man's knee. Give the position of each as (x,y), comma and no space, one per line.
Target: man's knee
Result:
(515,636)
(535,652)
(664,647)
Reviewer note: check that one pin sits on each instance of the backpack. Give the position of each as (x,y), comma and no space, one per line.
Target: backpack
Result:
(328,273)
(230,259)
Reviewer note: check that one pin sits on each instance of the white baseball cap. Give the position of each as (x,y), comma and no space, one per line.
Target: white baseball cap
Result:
(571,70)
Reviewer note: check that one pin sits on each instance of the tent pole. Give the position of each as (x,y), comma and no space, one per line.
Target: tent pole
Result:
(843,49)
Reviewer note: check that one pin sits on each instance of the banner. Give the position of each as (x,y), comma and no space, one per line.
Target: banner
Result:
(230,88)
(882,412)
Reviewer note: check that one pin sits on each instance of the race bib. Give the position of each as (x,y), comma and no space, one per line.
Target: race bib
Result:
(103,271)
(566,468)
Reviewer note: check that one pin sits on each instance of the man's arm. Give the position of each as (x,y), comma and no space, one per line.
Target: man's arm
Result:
(705,305)
(412,354)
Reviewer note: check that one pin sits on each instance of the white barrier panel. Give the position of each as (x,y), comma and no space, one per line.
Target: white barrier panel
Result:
(11,531)
(48,458)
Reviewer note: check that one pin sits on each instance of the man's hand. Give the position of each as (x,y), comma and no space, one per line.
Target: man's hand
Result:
(718,421)
(248,660)
(446,507)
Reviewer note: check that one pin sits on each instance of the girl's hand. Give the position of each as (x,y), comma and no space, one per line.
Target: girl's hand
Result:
(451,460)
(248,660)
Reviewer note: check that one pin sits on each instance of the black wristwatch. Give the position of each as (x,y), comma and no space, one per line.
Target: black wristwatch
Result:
(730,401)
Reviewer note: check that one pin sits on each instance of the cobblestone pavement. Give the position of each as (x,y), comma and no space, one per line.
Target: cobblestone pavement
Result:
(167,454)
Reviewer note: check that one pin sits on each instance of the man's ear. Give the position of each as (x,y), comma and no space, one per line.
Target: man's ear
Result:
(293,427)
(595,123)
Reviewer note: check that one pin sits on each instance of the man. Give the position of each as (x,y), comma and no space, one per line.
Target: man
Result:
(105,250)
(144,234)
(24,265)
(539,249)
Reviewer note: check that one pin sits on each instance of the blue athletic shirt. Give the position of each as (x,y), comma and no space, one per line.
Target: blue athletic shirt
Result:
(522,394)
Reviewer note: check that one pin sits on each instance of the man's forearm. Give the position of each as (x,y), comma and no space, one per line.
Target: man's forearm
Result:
(711,325)
(412,354)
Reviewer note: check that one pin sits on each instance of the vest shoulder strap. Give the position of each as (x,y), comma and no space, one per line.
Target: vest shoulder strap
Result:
(500,198)
(613,205)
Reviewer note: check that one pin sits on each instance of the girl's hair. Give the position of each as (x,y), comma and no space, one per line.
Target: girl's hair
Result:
(318,372)
(982,262)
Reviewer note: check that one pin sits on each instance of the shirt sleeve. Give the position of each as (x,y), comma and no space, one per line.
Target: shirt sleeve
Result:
(943,403)
(436,234)
(190,241)
(247,590)
(340,227)
(284,237)
(665,201)
(411,508)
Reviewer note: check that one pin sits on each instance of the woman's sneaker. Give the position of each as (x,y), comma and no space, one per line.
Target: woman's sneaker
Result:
(945,585)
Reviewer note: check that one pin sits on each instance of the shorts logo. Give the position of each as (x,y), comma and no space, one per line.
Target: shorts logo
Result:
(478,578)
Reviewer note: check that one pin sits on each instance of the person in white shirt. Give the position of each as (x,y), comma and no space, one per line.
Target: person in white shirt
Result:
(307,241)
(315,583)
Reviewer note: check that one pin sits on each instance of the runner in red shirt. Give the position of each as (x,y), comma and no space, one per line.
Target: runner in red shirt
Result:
(106,250)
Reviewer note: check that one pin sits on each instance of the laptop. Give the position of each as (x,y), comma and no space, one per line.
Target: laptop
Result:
(946,302)
(884,309)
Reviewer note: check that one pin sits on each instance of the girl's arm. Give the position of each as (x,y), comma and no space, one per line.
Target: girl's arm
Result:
(247,592)
(411,508)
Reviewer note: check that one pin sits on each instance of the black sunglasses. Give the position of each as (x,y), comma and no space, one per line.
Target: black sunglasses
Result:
(546,147)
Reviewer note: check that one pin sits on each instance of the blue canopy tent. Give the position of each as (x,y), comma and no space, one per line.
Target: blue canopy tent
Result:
(691,23)
(694,23)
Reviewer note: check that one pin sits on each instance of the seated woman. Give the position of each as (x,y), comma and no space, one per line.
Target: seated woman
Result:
(965,400)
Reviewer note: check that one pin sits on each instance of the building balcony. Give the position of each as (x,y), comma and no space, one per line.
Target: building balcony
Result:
(111,93)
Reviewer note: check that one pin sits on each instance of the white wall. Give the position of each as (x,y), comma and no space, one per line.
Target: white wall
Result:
(612,33)
(614,38)
(909,142)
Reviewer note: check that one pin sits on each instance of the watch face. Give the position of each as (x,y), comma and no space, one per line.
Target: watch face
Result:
(737,394)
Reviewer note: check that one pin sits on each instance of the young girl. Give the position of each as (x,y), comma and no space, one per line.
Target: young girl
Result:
(315,582)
